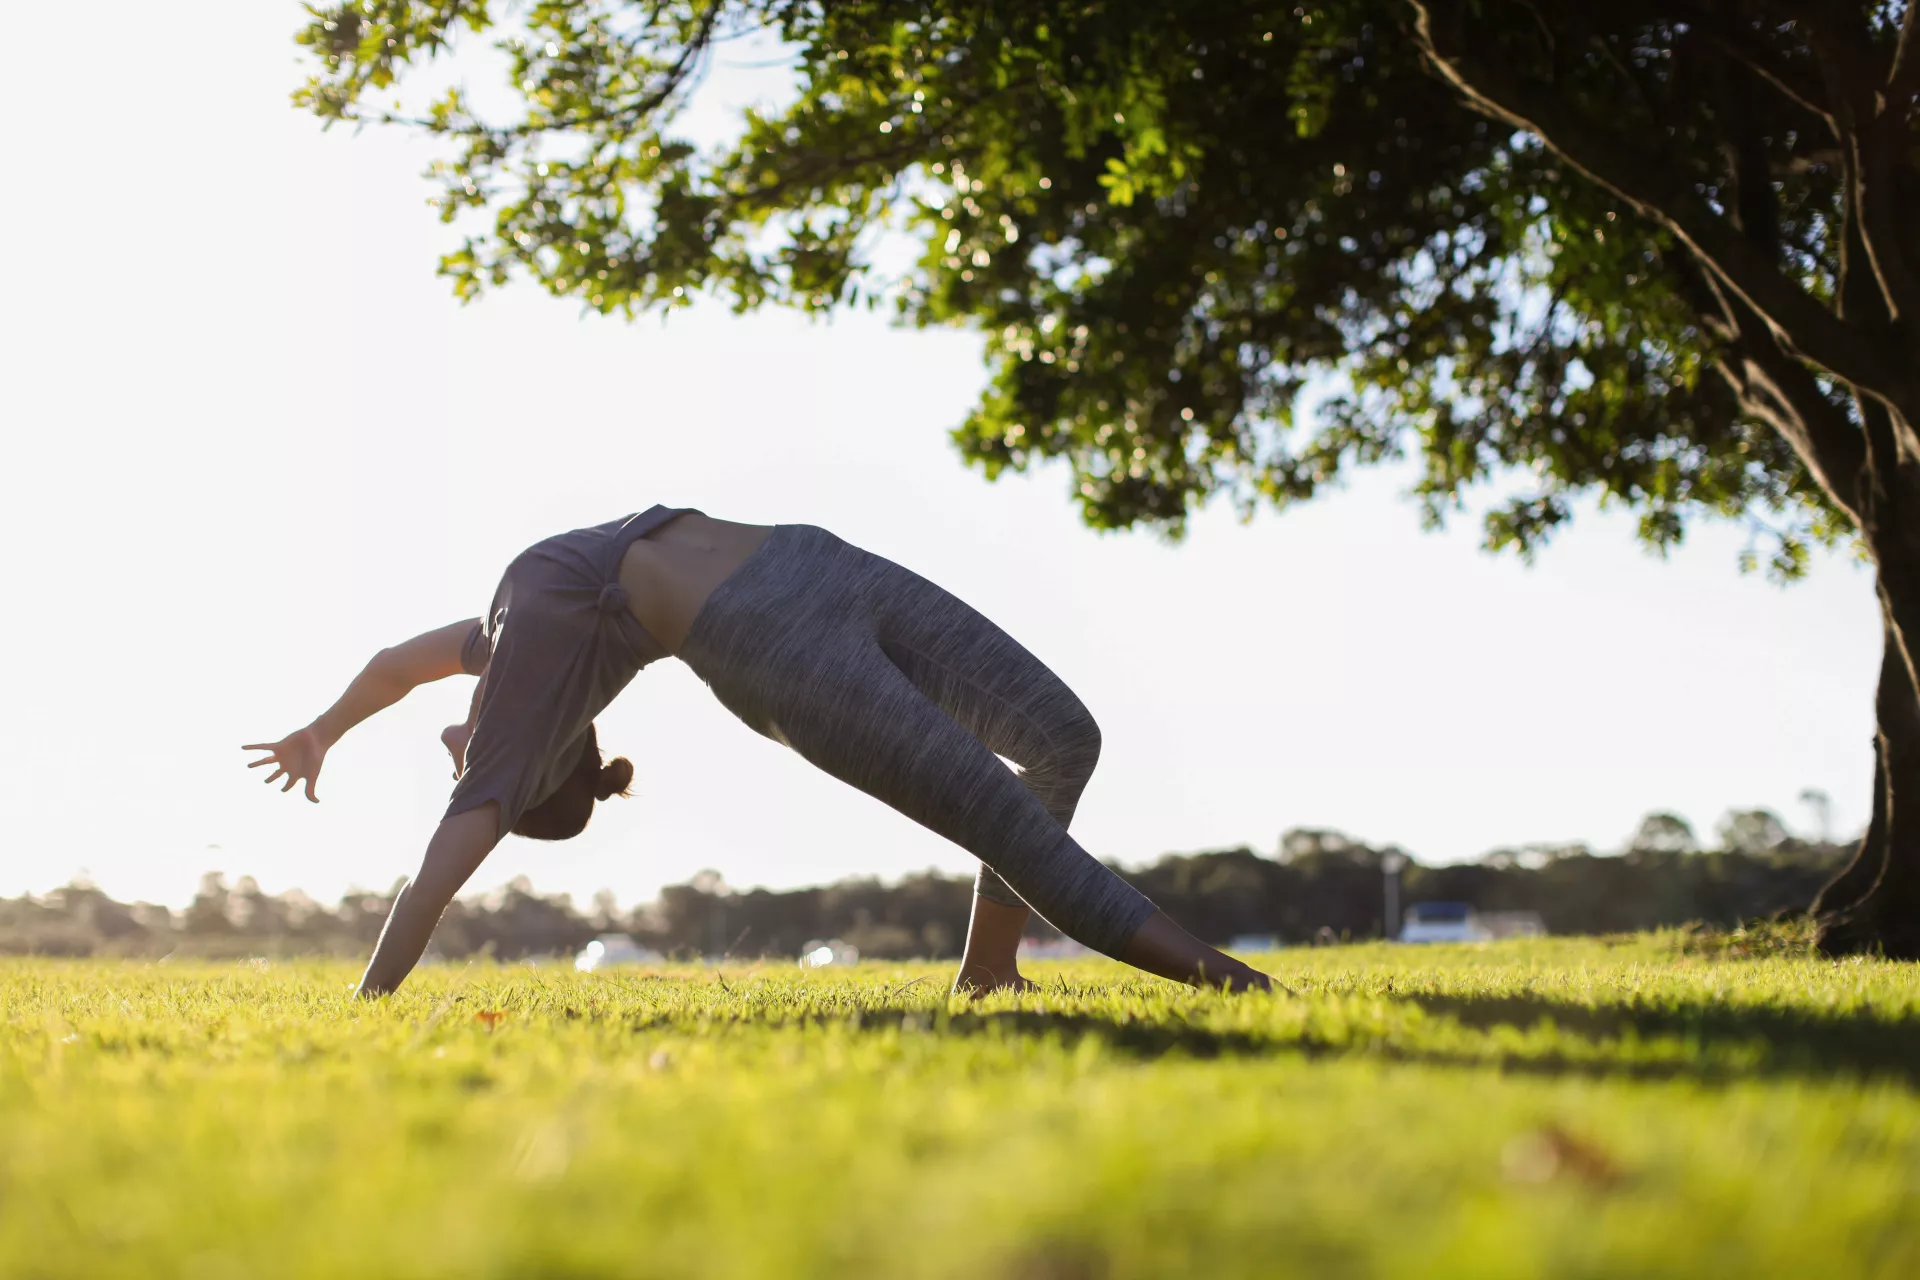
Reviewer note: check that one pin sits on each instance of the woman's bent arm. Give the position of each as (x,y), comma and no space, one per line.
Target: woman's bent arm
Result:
(457,849)
(392,674)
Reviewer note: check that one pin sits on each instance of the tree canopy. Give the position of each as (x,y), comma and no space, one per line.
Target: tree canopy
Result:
(1167,220)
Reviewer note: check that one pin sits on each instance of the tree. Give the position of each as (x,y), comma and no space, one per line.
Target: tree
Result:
(1664,833)
(1752,831)
(1772,147)
(210,912)
(1657,252)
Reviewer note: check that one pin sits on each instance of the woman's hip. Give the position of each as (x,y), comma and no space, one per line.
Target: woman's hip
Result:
(799,586)
(809,620)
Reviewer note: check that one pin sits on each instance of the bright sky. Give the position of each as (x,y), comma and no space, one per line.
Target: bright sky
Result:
(249,438)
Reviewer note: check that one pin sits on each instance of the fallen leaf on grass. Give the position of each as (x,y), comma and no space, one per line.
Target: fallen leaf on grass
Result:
(1551,1152)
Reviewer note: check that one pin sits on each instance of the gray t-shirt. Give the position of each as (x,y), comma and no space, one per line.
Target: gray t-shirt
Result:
(557,645)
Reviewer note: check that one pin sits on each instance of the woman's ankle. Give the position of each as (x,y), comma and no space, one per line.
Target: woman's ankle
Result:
(979,977)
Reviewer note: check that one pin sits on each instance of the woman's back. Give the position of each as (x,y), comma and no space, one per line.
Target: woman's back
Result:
(669,573)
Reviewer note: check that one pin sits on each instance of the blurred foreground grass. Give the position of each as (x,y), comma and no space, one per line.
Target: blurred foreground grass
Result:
(1563,1107)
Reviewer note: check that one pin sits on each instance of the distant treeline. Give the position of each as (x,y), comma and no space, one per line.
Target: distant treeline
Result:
(1315,880)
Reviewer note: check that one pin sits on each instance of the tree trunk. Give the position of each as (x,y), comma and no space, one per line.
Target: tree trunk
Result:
(1862,871)
(1862,338)
(1874,904)
(1851,886)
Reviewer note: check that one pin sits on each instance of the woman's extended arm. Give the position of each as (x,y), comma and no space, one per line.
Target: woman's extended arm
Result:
(460,844)
(389,677)
(392,674)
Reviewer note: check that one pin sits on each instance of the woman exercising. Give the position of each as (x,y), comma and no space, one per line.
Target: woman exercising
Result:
(867,670)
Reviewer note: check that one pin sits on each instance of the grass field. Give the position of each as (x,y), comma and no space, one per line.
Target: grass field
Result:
(1563,1108)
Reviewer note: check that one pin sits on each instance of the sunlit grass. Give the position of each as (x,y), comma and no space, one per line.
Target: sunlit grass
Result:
(1548,1108)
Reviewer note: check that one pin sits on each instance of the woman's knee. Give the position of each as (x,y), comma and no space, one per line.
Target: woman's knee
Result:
(1078,746)
(1072,751)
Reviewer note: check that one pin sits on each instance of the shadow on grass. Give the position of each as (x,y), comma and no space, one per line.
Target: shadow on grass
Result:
(1706,1043)
(1804,1042)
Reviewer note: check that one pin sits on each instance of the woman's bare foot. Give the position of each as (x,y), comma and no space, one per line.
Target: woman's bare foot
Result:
(1162,947)
(974,980)
(991,961)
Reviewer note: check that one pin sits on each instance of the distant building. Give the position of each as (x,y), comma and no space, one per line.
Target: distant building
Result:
(1442,922)
(1459,922)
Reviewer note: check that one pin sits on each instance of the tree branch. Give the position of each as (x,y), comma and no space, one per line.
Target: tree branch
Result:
(622,117)
(1802,323)
(1869,166)
(1779,389)
(1903,78)
(1739,45)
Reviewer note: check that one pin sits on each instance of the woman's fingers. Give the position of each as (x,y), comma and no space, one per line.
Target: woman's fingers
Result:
(286,765)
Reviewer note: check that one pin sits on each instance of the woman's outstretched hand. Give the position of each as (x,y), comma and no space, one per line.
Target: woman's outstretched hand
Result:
(296,757)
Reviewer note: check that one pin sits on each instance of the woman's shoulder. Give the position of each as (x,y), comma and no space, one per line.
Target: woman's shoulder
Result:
(637,524)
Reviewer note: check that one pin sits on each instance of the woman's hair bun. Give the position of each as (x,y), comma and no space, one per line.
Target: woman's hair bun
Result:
(616,775)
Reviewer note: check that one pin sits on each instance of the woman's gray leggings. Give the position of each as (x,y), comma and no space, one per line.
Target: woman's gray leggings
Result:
(894,686)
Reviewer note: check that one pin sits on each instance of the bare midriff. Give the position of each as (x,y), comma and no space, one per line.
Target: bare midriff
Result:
(669,574)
